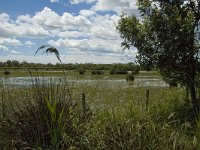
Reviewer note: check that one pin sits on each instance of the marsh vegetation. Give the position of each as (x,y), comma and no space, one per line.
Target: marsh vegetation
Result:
(50,115)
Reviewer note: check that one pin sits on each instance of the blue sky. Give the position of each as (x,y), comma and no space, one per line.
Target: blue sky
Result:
(82,30)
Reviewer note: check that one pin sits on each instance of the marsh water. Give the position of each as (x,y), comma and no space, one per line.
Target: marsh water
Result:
(28,81)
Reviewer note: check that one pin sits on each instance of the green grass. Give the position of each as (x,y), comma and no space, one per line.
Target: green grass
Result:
(25,73)
(50,117)
(149,73)
(74,74)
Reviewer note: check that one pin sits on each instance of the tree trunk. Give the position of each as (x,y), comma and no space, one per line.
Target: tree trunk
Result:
(187,93)
(195,103)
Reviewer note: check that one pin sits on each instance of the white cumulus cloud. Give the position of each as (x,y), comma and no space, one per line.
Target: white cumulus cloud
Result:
(3,48)
(85,36)
(54,1)
(86,13)
(29,43)
(82,1)
(9,41)
(14,52)
(117,6)
(22,27)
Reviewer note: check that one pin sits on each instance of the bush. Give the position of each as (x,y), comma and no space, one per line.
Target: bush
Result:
(93,72)
(136,70)
(130,78)
(118,72)
(171,82)
(6,72)
(112,72)
(97,72)
(100,72)
(45,118)
(81,71)
(121,72)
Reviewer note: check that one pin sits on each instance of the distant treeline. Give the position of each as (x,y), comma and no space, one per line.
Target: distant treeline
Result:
(14,64)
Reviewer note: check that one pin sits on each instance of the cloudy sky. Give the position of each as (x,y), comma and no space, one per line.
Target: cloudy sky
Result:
(83,30)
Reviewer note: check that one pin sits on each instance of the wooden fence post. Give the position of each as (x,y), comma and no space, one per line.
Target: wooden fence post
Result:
(3,104)
(147,100)
(84,105)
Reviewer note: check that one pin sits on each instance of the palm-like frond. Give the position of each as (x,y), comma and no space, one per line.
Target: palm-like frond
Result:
(41,47)
(50,49)
(55,51)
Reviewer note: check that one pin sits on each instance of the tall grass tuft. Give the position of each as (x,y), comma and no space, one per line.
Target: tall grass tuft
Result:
(41,117)
(132,130)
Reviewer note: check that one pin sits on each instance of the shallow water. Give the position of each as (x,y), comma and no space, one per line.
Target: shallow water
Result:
(28,81)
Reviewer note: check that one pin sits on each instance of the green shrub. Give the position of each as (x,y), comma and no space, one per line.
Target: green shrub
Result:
(97,72)
(130,78)
(93,72)
(118,72)
(171,82)
(45,117)
(6,72)
(112,72)
(81,71)
(136,70)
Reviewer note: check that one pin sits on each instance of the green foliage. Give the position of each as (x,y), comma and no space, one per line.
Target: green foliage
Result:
(167,37)
(6,72)
(160,37)
(57,67)
(197,137)
(81,71)
(42,117)
(171,82)
(97,72)
(133,129)
(121,72)
(49,116)
(112,72)
(141,134)
(130,78)
(124,69)
(118,72)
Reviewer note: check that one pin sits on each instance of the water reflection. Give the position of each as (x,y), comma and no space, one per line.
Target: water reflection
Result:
(28,81)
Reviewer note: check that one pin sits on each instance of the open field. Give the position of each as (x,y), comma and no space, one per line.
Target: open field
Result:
(111,117)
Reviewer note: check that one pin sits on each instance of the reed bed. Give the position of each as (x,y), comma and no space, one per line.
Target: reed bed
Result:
(51,116)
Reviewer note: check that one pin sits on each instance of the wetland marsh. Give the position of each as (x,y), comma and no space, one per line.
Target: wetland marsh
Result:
(47,112)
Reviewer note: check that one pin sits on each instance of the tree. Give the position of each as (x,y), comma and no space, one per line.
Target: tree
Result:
(167,37)
(8,63)
(25,64)
(15,63)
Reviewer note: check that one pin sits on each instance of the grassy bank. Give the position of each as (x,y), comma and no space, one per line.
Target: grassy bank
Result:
(53,117)
(75,74)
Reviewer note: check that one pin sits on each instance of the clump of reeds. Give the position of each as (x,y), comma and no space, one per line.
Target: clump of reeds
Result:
(42,116)
(130,128)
